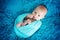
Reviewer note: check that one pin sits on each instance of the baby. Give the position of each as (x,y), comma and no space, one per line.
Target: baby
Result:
(38,14)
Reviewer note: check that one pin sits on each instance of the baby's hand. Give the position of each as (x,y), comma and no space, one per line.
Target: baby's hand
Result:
(28,21)
(19,24)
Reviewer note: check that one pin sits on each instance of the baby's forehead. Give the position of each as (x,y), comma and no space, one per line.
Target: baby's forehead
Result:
(41,7)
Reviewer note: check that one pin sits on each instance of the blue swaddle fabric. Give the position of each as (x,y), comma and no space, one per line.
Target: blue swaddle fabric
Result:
(28,30)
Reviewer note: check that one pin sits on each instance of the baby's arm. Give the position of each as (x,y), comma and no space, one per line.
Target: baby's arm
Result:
(19,24)
(24,23)
(28,21)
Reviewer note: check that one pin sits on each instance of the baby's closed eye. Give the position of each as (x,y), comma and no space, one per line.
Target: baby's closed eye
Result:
(38,15)
(35,12)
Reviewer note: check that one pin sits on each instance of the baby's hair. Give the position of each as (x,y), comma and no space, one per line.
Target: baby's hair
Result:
(41,5)
(44,6)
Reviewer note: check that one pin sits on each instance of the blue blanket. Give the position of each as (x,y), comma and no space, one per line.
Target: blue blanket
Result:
(28,30)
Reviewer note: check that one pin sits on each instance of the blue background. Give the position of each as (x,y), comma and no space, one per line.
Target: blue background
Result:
(10,9)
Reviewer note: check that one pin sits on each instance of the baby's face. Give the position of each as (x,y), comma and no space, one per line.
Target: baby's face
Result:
(39,12)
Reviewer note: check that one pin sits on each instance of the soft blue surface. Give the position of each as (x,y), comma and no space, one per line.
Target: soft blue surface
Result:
(11,9)
(28,30)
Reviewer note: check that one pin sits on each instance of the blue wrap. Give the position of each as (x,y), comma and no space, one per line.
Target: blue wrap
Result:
(28,30)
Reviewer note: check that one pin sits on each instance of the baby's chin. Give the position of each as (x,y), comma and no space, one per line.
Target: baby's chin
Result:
(38,19)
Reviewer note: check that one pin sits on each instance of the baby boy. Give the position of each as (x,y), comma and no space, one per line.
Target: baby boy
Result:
(38,14)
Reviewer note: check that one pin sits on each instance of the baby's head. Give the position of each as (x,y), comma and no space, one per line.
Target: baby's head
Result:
(39,12)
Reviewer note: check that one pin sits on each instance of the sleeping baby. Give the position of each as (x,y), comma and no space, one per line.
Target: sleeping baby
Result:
(38,14)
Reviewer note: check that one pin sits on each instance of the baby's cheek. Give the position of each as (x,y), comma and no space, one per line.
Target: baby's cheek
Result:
(37,18)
